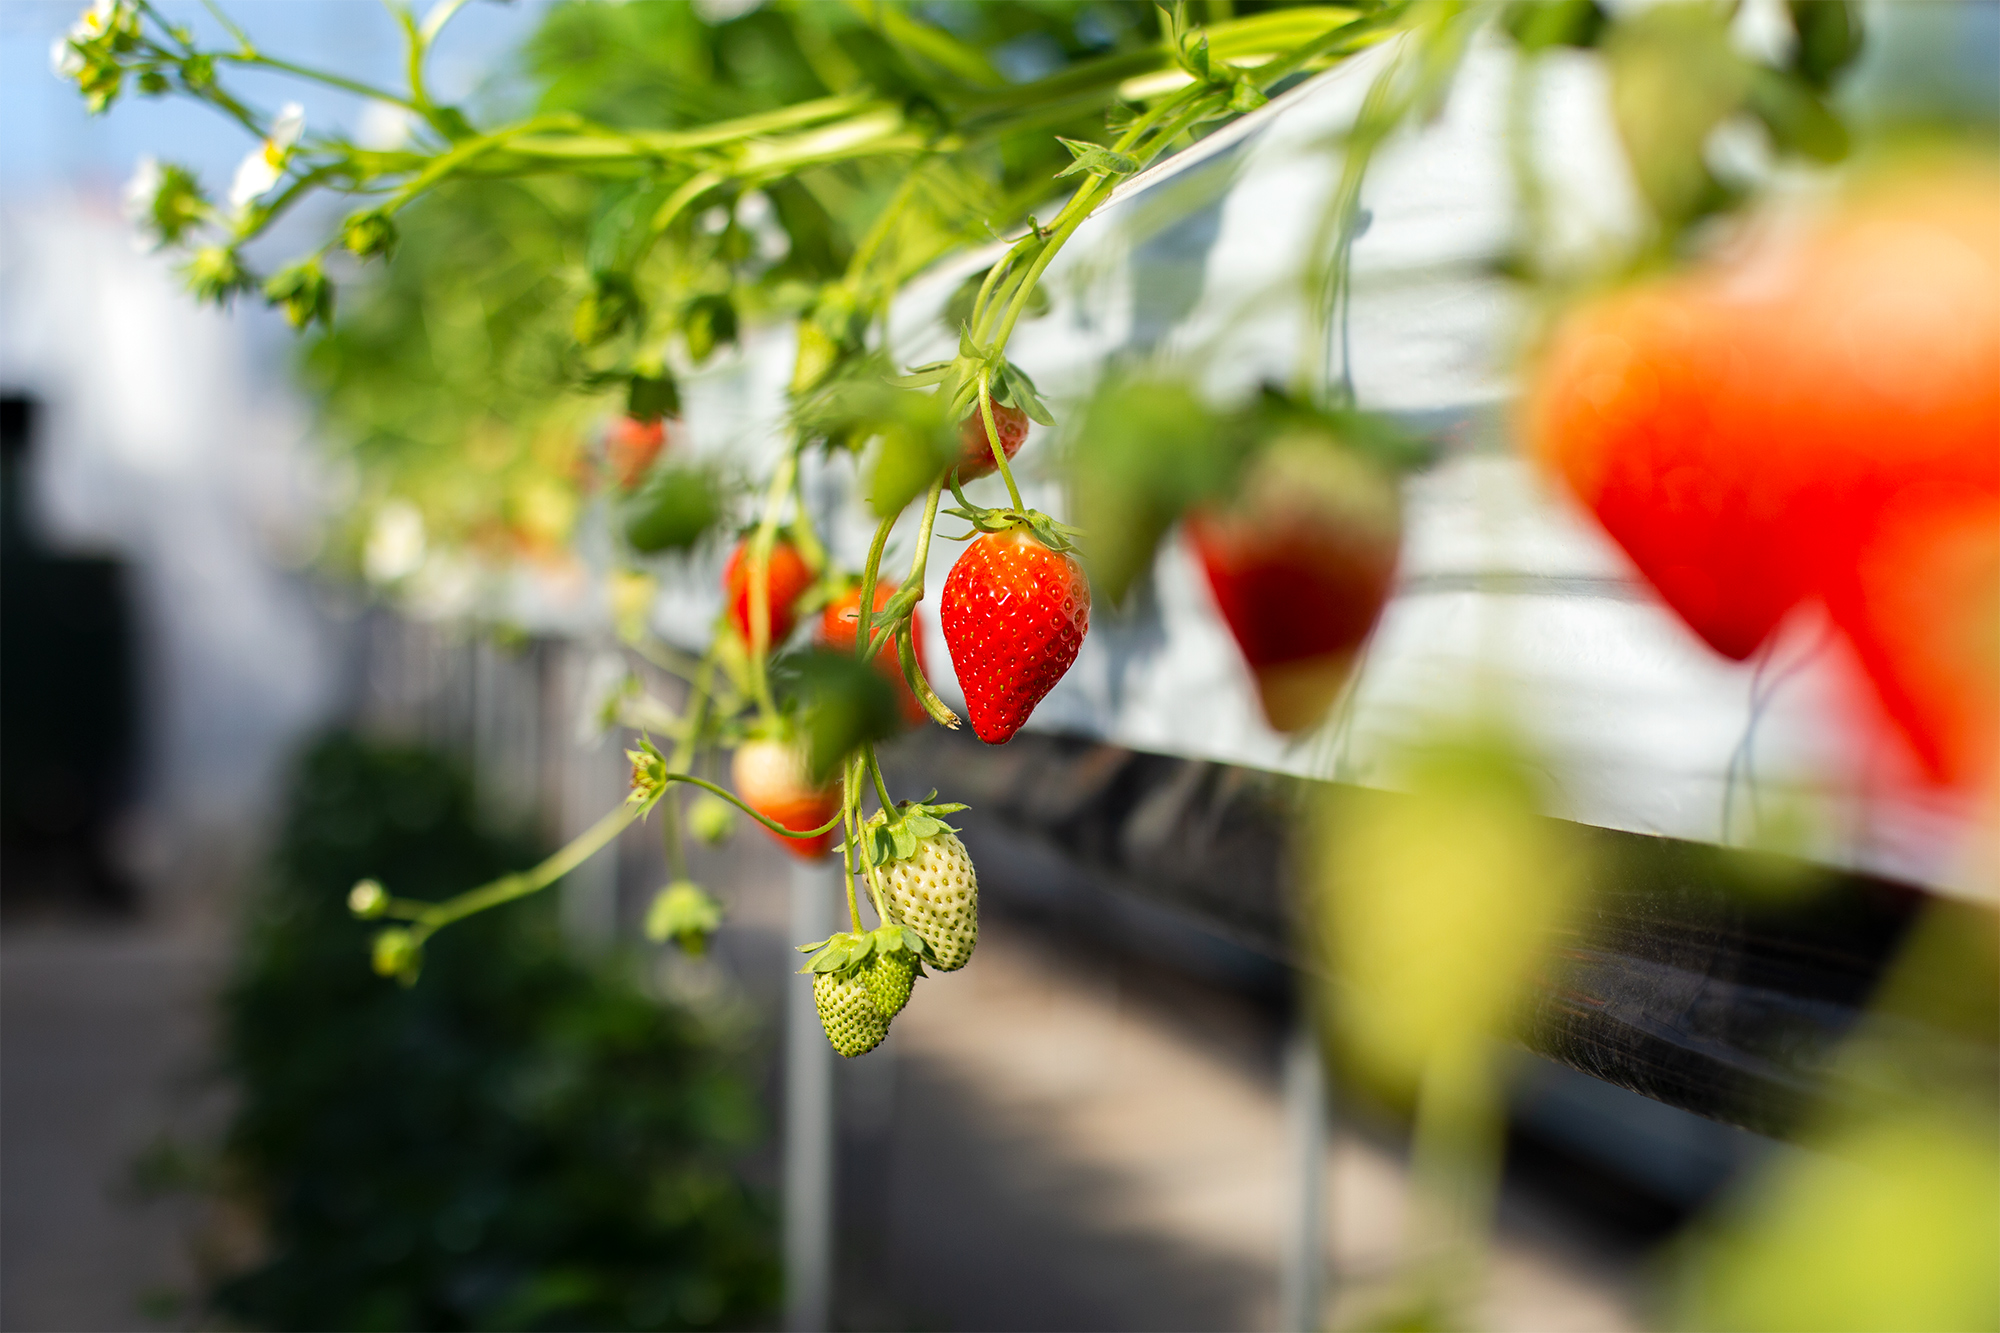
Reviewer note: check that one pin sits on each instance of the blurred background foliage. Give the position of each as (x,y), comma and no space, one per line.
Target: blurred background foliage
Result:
(527,1140)
(454,375)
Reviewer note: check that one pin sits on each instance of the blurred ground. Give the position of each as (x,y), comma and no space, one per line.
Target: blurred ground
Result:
(105,1030)
(1051,1138)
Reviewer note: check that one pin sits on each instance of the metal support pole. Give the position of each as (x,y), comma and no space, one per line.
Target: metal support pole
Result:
(808,1116)
(1302,1266)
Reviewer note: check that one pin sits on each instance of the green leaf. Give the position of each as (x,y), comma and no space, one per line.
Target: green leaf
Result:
(842,703)
(650,396)
(673,509)
(1021,392)
(1798,120)
(1095,159)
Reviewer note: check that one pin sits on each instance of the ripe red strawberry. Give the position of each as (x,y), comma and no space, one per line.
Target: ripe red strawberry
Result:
(976,456)
(1014,613)
(1301,564)
(839,624)
(770,778)
(788,577)
(630,446)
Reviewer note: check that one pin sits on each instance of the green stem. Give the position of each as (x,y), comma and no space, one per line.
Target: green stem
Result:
(260,60)
(759,576)
(993,440)
(870,572)
(509,887)
(850,854)
(881,786)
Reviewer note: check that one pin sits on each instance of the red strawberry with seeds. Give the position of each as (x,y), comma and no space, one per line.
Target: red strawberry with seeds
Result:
(788,577)
(841,622)
(770,778)
(1301,563)
(976,457)
(1014,612)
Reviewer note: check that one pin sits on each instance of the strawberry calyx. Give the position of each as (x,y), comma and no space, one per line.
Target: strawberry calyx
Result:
(847,952)
(1057,536)
(649,776)
(885,840)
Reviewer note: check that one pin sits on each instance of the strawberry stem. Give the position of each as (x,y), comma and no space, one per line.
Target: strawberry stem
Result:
(993,440)
(881,787)
(759,575)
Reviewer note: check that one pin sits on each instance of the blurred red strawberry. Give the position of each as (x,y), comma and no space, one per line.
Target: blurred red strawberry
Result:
(1923,612)
(840,623)
(787,578)
(1301,563)
(631,445)
(1737,429)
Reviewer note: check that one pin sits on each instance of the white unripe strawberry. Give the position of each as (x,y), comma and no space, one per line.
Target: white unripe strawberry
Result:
(848,1012)
(889,977)
(936,894)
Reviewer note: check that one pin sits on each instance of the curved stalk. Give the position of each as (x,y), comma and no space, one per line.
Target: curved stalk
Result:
(993,441)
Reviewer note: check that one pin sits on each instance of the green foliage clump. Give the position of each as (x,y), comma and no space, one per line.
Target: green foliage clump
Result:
(524,1141)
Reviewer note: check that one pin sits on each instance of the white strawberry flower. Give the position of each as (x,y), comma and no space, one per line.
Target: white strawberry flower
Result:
(260,170)
(64,57)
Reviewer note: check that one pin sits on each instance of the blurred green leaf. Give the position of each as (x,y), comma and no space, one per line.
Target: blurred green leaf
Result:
(1830,38)
(842,703)
(1675,76)
(673,509)
(1144,450)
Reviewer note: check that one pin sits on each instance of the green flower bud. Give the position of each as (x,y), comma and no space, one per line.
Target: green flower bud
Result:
(215,275)
(397,954)
(711,819)
(684,913)
(369,234)
(305,293)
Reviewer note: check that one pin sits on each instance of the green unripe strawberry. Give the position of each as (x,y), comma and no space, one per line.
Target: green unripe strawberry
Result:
(853,1022)
(889,977)
(936,894)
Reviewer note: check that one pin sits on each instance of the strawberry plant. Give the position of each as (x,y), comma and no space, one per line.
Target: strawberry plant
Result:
(535,282)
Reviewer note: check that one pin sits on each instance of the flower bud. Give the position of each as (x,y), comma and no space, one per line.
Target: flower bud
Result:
(684,913)
(215,275)
(397,954)
(304,292)
(369,234)
(367,899)
(711,819)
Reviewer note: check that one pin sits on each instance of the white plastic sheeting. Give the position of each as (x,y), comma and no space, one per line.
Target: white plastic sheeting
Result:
(1510,601)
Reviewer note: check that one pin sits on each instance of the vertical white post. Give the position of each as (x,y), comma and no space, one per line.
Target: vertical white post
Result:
(808,1200)
(1302,1266)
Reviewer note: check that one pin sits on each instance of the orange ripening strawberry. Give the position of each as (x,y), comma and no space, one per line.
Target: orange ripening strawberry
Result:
(975,458)
(788,577)
(630,446)
(840,623)
(1014,613)
(770,778)
(1922,610)
(1300,563)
